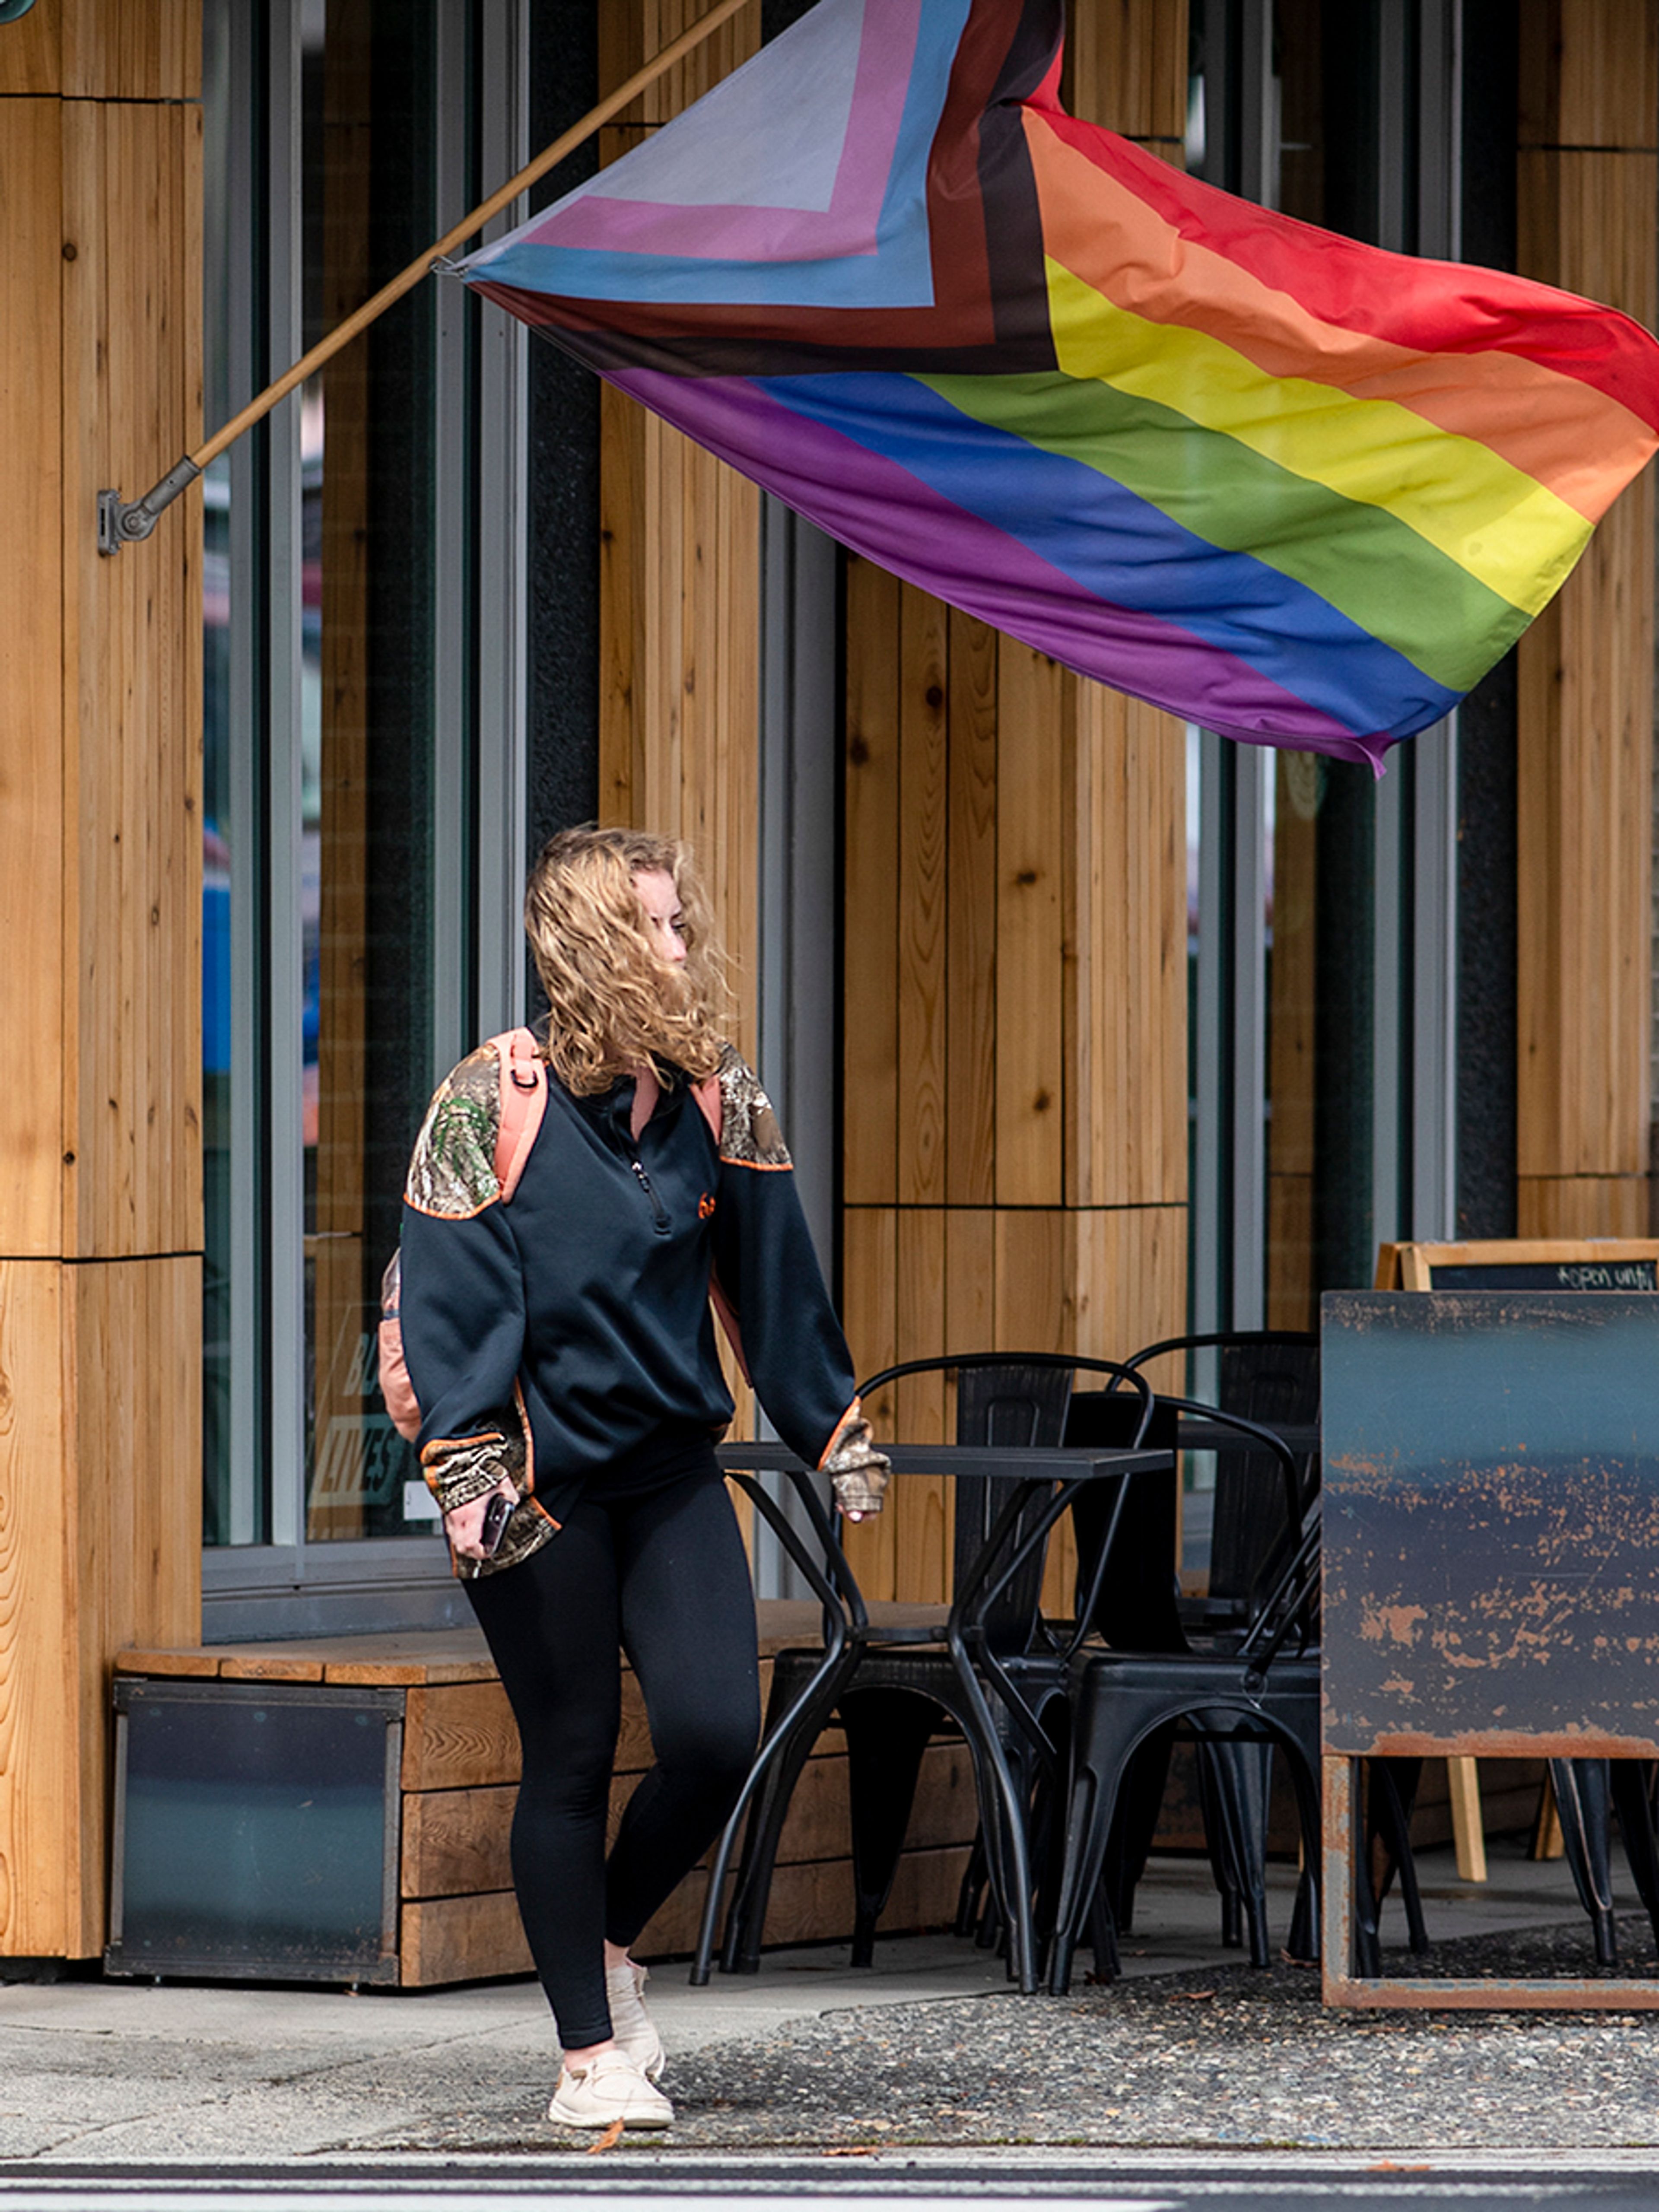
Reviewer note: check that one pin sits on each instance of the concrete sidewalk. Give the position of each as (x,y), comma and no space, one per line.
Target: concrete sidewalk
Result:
(807,2052)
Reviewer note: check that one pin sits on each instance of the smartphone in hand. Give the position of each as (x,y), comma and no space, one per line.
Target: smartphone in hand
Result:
(497,1513)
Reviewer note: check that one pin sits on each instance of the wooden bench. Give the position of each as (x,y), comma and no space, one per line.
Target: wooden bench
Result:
(457,1918)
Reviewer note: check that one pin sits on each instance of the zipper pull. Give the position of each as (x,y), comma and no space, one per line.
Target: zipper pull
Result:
(657,1212)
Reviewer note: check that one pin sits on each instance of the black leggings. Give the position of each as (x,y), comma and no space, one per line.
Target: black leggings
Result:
(663,1575)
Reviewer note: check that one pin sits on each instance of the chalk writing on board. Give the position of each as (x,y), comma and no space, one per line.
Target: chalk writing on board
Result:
(1547,1275)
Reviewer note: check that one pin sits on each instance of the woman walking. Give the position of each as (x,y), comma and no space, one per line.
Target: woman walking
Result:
(562,1349)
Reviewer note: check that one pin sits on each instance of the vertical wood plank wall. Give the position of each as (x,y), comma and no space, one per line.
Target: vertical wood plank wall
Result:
(1015,1069)
(679,574)
(1589,126)
(100,853)
(679,599)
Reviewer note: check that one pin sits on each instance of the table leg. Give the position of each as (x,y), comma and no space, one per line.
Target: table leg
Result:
(1468,1829)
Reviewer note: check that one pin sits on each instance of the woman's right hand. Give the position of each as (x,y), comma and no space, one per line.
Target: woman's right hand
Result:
(464,1526)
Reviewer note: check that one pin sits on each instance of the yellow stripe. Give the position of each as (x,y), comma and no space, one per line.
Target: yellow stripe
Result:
(1493,518)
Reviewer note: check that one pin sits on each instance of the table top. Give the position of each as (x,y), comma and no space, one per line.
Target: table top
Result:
(992,1463)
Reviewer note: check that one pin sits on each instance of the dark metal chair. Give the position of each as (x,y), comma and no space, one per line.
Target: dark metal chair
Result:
(896,1688)
(1270,1376)
(1588,1791)
(1262,1688)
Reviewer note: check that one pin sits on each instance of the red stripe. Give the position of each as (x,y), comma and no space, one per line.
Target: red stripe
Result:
(1431,307)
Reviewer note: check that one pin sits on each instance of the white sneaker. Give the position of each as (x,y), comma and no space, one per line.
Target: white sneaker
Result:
(630,2023)
(611,2088)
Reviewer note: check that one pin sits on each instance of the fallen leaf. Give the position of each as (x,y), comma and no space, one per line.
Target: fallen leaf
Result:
(1189,1996)
(608,2141)
(853,2150)
(1389,2166)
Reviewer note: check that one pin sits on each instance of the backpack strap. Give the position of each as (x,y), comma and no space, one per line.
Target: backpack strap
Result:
(711,1105)
(523,1101)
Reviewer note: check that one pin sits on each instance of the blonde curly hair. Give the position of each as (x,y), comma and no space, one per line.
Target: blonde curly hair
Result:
(615,1003)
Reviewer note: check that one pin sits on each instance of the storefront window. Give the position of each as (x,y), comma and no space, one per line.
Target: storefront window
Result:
(332,804)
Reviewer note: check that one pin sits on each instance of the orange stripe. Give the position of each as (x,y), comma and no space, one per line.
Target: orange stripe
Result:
(1564,434)
(460,1443)
(850,1415)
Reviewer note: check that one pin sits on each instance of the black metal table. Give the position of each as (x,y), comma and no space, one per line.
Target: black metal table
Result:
(832,1581)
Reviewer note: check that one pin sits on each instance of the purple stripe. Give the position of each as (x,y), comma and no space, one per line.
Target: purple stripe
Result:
(725,233)
(880,509)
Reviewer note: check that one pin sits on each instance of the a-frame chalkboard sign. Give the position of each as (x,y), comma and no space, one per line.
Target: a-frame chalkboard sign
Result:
(1593,1263)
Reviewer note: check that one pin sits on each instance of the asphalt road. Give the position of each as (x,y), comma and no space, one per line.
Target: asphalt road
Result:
(932,2182)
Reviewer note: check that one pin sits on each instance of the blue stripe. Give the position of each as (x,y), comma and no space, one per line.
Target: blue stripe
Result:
(899,274)
(1124,549)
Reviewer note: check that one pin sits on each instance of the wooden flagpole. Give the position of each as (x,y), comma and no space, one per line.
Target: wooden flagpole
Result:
(121,524)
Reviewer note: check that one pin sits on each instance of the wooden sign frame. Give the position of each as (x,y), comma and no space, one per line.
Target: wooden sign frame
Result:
(1411,1267)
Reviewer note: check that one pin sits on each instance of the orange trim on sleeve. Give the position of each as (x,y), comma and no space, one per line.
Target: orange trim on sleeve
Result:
(853,1413)
(759,1167)
(433,1214)
(460,1443)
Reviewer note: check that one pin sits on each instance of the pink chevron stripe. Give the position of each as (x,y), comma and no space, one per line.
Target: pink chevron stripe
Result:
(716,232)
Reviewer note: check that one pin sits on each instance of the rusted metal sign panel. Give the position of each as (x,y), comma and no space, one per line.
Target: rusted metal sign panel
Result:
(1490,1523)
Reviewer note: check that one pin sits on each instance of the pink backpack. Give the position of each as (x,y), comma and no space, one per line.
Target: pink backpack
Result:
(523,1101)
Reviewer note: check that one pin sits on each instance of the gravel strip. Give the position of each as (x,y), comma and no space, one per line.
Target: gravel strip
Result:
(1223,2059)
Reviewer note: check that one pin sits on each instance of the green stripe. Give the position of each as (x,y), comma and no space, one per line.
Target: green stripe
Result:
(1368,564)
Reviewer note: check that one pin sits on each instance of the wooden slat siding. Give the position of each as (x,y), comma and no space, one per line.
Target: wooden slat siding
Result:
(971,919)
(459,1737)
(1125,67)
(455,1939)
(1590,73)
(1131,1276)
(40,1757)
(1293,1302)
(921,1565)
(100,692)
(1588,173)
(1033,1273)
(1582,1205)
(818,1895)
(869,1275)
(89,50)
(1033,697)
(131,1049)
(1126,1117)
(922,815)
(622,612)
(99,1393)
(457,1842)
(870,1105)
(1585,857)
(33,848)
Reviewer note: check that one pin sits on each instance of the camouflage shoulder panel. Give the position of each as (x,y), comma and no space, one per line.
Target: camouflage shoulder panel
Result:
(452,1171)
(749,1135)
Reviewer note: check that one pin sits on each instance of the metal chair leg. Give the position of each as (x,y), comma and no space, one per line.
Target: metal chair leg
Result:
(887,1732)
(1582,1794)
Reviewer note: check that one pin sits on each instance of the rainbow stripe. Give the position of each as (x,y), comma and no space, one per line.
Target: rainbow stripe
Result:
(1292,488)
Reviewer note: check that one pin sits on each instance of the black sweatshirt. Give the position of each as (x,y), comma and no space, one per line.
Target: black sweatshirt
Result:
(567,1335)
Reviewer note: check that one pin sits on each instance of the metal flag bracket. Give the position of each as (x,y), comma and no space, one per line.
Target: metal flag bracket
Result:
(123,523)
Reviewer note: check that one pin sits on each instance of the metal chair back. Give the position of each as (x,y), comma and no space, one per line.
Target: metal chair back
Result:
(1020,1399)
(1270,1376)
